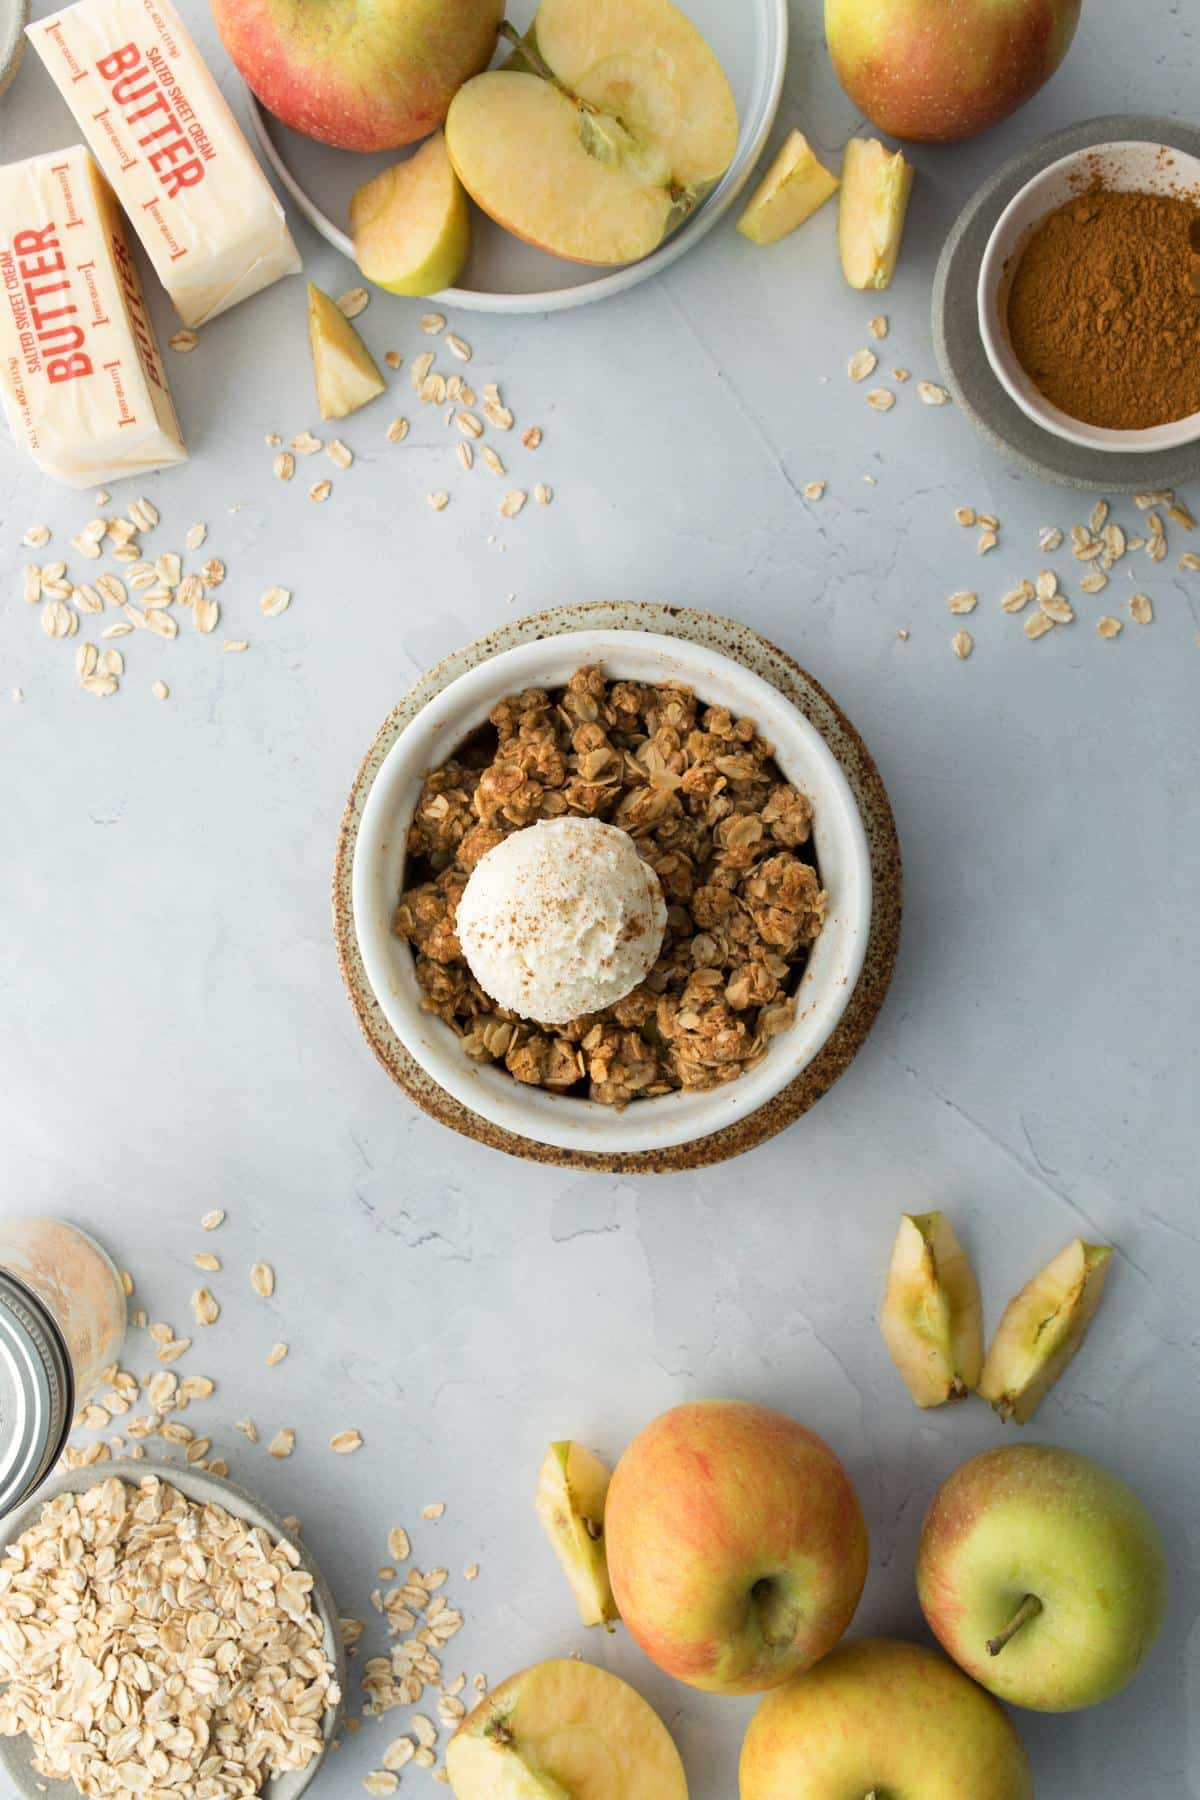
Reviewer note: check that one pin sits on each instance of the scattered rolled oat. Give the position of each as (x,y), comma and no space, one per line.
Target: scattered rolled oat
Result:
(273,601)
(457,346)
(396,430)
(1058,609)
(276,1354)
(902,634)
(339,453)
(283,1443)
(531,437)
(1140,609)
(345,1443)
(235,644)
(1049,538)
(393,359)
(987,540)
(398,1544)
(964,515)
(814,490)
(143,514)
(204,1259)
(381,1782)
(932,394)
(246,1428)
(320,491)
(469,424)
(492,459)
(962,602)
(398,1753)
(464,453)
(262,1280)
(512,503)
(1018,598)
(902,374)
(878,326)
(213,1219)
(213,572)
(862,364)
(183,341)
(432,323)
(205,1307)
(881,399)
(1037,625)
(206,614)
(439,501)
(1189,560)
(1181,515)
(284,465)
(160,690)
(353,302)
(58,620)
(1108,627)
(962,643)
(1094,582)
(542,494)
(434,1511)
(305,444)
(498,415)
(471,1572)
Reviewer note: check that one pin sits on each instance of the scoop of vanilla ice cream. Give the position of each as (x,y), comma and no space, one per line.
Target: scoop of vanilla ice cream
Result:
(561,918)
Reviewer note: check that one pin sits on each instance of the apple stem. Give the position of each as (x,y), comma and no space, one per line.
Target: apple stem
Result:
(540,66)
(1029,1608)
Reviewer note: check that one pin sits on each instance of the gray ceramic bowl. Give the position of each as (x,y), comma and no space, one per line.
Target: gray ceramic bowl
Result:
(15,1753)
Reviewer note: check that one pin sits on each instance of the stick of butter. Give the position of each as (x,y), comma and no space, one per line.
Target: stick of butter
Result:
(163,133)
(80,374)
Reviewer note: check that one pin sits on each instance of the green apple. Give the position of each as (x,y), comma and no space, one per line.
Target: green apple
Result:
(564,1730)
(346,373)
(736,1546)
(1042,1328)
(790,192)
(876,184)
(411,225)
(360,74)
(570,1500)
(935,71)
(882,1720)
(932,1320)
(613,122)
(1043,1575)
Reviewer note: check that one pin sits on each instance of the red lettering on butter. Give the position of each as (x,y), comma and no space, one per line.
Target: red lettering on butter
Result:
(53,315)
(151,117)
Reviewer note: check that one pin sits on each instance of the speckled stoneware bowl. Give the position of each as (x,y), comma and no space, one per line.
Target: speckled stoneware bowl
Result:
(859,861)
(14,16)
(197,1485)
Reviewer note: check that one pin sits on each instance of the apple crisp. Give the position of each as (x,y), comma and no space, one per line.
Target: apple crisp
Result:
(709,810)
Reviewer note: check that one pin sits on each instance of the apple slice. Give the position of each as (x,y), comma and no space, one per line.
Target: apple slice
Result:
(564,1730)
(1042,1328)
(345,370)
(792,189)
(571,1491)
(932,1320)
(876,184)
(626,121)
(411,226)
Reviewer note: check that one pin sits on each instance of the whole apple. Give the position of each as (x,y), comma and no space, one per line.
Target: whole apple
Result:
(736,1546)
(880,1717)
(360,74)
(1043,1575)
(936,70)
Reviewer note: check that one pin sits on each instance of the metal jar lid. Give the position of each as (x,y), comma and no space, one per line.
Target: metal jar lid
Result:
(36,1393)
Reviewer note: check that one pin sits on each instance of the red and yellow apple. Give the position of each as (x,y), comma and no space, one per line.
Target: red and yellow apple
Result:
(737,1549)
(1043,1575)
(881,1717)
(360,74)
(934,72)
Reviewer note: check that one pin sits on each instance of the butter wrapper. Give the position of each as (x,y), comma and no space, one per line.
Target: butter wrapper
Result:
(81,377)
(163,133)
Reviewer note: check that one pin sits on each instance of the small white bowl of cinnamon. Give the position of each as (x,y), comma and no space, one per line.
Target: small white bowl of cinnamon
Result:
(1089,298)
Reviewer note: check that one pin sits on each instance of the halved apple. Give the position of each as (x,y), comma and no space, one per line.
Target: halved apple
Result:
(625,123)
(792,189)
(571,1491)
(564,1730)
(932,1320)
(346,373)
(876,184)
(411,224)
(1042,1328)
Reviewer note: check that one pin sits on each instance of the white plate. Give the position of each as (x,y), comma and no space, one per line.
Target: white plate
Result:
(504,275)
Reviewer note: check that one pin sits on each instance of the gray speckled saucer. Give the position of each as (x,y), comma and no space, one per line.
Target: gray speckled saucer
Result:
(15,1753)
(960,348)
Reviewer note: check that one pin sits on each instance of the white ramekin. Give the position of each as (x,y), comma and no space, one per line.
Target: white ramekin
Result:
(839,839)
(1127,167)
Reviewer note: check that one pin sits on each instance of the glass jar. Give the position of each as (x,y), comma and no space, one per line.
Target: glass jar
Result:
(62,1323)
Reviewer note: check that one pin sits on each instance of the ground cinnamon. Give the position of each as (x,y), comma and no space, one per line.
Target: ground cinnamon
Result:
(1104,309)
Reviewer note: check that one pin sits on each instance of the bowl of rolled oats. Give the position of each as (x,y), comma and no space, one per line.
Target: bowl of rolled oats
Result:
(161,1631)
(733,800)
